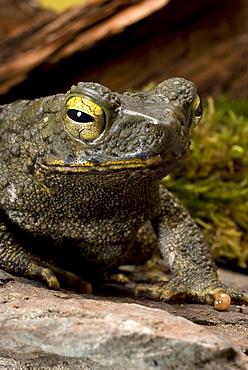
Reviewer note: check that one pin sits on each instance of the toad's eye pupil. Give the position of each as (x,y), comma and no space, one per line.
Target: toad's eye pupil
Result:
(79,116)
(198,111)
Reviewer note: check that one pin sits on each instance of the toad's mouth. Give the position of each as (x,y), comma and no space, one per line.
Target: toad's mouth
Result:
(58,166)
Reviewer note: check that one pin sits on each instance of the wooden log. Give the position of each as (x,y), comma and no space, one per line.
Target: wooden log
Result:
(127,44)
(51,39)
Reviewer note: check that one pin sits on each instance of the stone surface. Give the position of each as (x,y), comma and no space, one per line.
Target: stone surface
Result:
(44,329)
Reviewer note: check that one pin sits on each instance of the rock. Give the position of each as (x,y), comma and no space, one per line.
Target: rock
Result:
(41,361)
(44,329)
(5,277)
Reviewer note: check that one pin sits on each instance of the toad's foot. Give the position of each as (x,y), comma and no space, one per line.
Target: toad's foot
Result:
(217,294)
(52,275)
(15,259)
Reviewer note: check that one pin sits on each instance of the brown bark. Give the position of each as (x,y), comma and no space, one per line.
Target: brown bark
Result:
(126,44)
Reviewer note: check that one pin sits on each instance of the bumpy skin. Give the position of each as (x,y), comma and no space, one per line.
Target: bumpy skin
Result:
(79,178)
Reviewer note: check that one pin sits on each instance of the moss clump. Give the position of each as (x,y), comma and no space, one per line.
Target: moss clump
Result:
(59,5)
(213,183)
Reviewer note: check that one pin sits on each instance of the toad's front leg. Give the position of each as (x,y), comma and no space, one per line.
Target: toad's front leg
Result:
(188,257)
(14,258)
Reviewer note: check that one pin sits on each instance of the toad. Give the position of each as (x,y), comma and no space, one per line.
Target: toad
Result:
(80,192)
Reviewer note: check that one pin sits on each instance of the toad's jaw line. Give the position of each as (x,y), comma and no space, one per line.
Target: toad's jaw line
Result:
(60,166)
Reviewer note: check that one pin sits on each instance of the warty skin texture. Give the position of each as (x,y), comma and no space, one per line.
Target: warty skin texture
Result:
(79,178)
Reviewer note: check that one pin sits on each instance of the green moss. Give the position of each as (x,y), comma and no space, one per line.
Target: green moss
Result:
(59,5)
(213,183)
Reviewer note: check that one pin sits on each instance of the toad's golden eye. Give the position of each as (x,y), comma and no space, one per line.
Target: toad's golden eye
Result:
(196,112)
(83,119)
